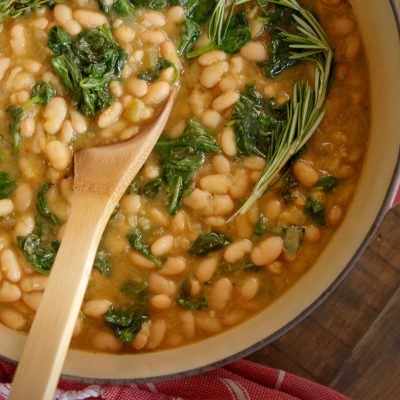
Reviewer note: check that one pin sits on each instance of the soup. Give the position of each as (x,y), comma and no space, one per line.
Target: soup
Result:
(239,196)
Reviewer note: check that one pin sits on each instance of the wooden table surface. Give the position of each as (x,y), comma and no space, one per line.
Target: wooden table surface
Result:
(352,342)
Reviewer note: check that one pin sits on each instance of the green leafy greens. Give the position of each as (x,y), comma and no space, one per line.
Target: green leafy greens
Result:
(125,323)
(102,263)
(42,93)
(186,301)
(123,8)
(7,185)
(153,73)
(254,125)
(306,108)
(15,114)
(86,64)
(181,157)
(208,242)
(135,289)
(315,210)
(327,183)
(42,206)
(228,33)
(15,9)
(135,240)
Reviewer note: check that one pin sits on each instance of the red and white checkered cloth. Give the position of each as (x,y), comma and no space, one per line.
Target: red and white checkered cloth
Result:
(241,380)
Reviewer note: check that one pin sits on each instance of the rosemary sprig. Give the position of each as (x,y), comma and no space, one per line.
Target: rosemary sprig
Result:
(17,8)
(306,109)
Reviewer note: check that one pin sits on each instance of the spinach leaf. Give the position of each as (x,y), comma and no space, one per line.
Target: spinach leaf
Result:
(42,93)
(6,185)
(261,225)
(135,289)
(186,301)
(315,210)
(201,10)
(16,9)
(279,56)
(102,262)
(122,8)
(292,239)
(152,74)
(38,254)
(152,188)
(135,239)
(191,31)
(125,323)
(15,114)
(254,126)
(86,64)
(42,206)
(181,157)
(286,190)
(239,266)
(237,34)
(327,183)
(153,4)
(208,242)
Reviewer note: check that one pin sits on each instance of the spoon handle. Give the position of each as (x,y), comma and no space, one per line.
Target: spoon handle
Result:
(49,337)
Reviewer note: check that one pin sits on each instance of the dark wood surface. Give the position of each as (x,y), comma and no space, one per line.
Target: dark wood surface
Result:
(352,342)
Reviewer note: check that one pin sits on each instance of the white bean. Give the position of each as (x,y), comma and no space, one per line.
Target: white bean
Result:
(17,39)
(249,288)
(59,154)
(225,100)
(62,13)
(220,294)
(206,269)
(228,142)
(254,52)
(9,292)
(106,341)
(130,204)
(267,251)
(153,18)
(54,115)
(176,14)
(96,308)
(236,251)
(34,283)
(157,93)
(216,184)
(162,245)
(197,200)
(137,87)
(211,118)
(13,319)
(212,74)
(160,285)
(157,333)
(90,19)
(110,115)
(124,34)
(154,37)
(78,122)
(161,301)
(4,65)
(72,27)
(305,174)
(173,266)
(208,323)
(140,260)
(24,226)
(10,265)
(32,300)
(28,127)
(211,57)
(188,324)
(6,207)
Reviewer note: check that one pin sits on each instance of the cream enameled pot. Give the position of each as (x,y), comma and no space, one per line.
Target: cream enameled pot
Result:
(376,192)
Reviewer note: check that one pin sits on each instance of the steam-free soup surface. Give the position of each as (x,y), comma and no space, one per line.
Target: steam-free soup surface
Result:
(173,267)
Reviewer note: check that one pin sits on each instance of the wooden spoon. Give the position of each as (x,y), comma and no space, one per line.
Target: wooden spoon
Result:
(102,175)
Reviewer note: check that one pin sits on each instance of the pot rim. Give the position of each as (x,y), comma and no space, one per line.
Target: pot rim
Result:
(386,206)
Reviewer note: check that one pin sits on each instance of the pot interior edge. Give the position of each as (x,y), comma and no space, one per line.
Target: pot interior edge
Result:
(383,51)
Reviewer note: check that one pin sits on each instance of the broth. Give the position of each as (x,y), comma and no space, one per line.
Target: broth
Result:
(170,272)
